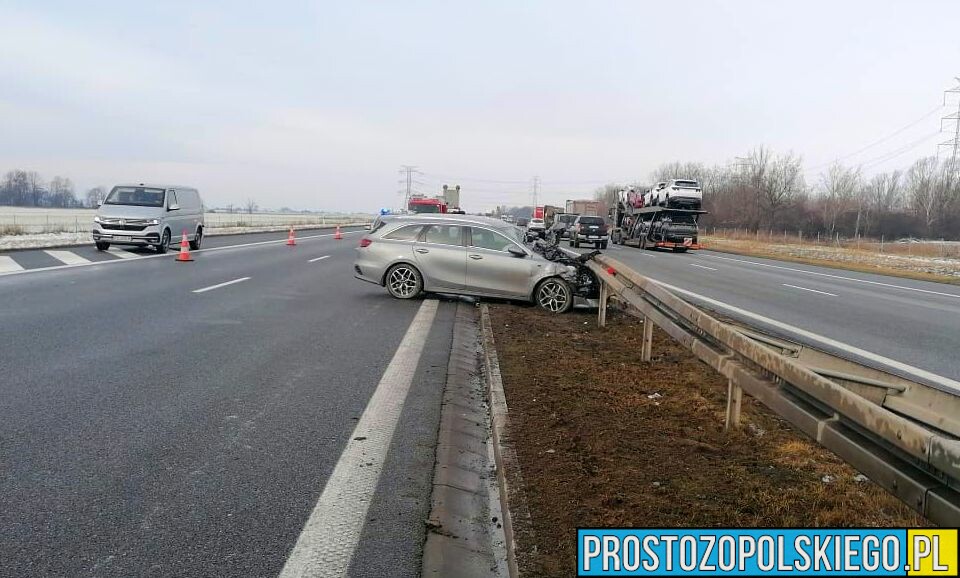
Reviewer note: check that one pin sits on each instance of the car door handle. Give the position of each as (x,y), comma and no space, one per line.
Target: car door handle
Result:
(422,251)
(476,257)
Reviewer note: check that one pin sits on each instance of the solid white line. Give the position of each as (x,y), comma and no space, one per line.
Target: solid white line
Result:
(332,533)
(122,253)
(22,271)
(319,259)
(219,285)
(702,267)
(67,257)
(8,265)
(810,290)
(809,335)
(905,288)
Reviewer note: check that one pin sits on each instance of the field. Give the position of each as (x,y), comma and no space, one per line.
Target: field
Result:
(29,220)
(910,258)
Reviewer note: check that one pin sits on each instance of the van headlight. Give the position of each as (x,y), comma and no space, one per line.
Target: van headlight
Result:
(153,221)
(96,219)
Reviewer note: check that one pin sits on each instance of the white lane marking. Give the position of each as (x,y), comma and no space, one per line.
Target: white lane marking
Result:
(892,286)
(332,533)
(219,285)
(122,253)
(810,290)
(702,267)
(318,259)
(8,265)
(862,353)
(67,257)
(21,270)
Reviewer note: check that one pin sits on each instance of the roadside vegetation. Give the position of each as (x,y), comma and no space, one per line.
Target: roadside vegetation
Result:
(765,191)
(605,440)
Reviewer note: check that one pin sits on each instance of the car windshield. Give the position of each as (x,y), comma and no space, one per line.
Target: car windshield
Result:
(591,220)
(567,219)
(135,196)
(680,220)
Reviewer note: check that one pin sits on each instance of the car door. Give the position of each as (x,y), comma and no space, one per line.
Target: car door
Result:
(174,217)
(441,257)
(493,270)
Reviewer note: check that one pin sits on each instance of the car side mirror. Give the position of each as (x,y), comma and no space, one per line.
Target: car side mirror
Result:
(516,251)
(173,207)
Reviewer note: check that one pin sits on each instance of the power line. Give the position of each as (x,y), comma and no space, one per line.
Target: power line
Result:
(409,171)
(926,115)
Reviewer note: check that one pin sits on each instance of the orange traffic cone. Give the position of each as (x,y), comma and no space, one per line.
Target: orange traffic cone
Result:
(291,239)
(184,255)
(338,235)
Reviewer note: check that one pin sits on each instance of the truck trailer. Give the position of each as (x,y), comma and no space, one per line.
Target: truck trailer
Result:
(655,227)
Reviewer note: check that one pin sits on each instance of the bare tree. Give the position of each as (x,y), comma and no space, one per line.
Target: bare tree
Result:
(95,196)
(781,183)
(251,206)
(838,187)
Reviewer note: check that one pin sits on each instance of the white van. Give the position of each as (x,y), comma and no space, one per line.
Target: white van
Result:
(149,215)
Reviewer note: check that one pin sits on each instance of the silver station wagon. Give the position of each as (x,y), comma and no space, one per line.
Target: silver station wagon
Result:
(463,255)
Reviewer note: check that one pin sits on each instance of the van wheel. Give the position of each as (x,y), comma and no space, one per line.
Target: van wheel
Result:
(164,242)
(197,238)
(101,246)
(554,295)
(404,281)
(603,245)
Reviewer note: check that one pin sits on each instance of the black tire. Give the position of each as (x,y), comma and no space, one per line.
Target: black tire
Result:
(553,295)
(164,242)
(603,245)
(101,246)
(571,242)
(197,239)
(679,249)
(576,244)
(403,281)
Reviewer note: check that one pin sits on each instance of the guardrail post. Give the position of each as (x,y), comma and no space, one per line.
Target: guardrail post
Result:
(602,309)
(734,401)
(647,350)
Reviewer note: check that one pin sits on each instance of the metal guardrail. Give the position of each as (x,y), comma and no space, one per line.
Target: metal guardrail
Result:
(901,434)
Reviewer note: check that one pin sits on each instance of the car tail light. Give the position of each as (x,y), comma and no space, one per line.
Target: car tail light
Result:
(365,242)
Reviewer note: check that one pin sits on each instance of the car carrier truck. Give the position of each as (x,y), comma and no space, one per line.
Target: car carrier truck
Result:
(655,227)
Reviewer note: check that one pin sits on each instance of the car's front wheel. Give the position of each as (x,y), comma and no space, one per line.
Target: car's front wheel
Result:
(101,246)
(197,239)
(404,281)
(554,295)
(164,242)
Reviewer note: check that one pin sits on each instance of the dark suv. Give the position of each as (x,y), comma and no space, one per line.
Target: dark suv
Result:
(589,230)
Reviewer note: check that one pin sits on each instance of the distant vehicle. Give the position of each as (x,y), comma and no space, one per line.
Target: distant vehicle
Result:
(536,228)
(652,197)
(461,255)
(561,225)
(149,216)
(522,221)
(509,219)
(681,194)
(587,207)
(421,204)
(589,229)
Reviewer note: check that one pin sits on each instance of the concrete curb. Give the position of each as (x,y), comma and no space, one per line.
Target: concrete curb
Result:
(465,535)
(516,514)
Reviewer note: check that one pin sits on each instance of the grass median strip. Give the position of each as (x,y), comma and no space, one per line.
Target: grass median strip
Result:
(605,440)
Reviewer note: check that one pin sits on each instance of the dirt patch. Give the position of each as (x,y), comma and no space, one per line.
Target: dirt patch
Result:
(606,440)
(921,267)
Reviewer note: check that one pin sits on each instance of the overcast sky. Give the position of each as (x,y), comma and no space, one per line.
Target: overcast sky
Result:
(315,105)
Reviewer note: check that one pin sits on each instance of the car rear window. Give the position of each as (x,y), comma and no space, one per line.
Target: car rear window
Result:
(407,233)
(688,184)
(591,220)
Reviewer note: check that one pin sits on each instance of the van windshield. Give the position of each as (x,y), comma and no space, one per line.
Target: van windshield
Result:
(135,196)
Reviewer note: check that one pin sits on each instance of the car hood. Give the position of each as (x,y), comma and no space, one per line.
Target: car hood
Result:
(130,211)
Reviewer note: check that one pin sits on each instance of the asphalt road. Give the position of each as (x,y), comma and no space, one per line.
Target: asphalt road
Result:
(149,429)
(912,322)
